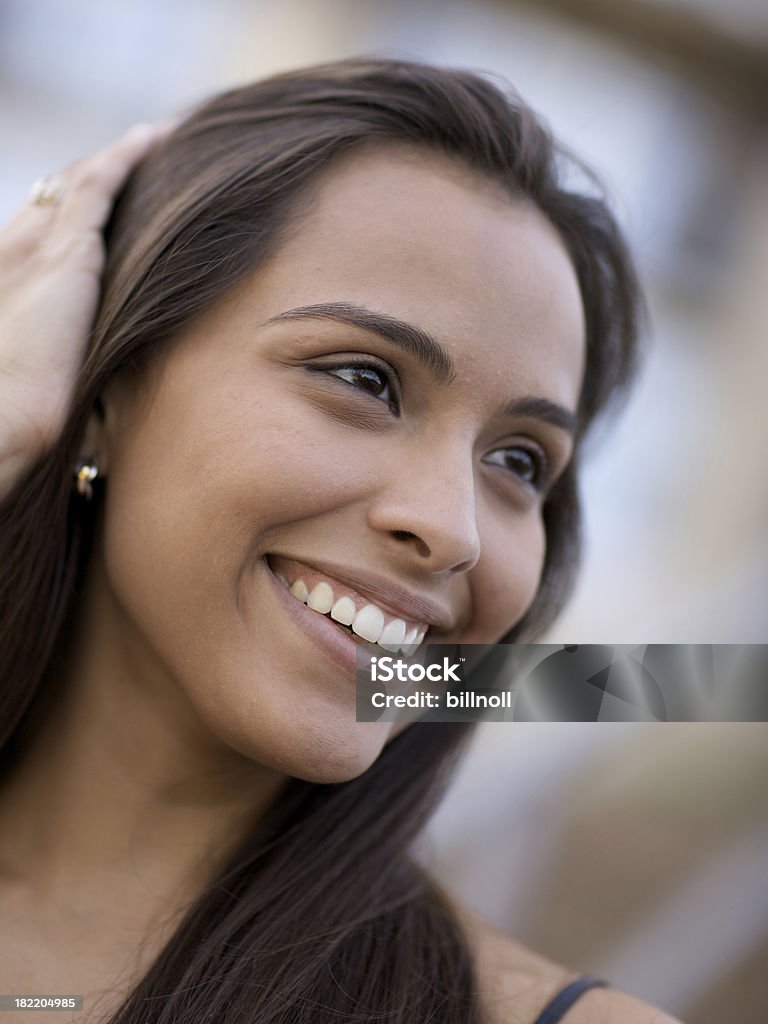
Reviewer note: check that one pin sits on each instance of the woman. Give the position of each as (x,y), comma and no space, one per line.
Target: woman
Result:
(351,335)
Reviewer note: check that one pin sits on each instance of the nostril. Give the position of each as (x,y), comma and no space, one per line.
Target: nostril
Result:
(407,535)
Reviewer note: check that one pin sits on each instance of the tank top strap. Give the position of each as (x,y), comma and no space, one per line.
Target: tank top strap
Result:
(565,998)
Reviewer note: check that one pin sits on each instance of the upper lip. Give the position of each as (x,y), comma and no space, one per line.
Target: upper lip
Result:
(389,596)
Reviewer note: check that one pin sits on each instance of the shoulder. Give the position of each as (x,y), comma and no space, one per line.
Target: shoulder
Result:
(516,983)
(609,1006)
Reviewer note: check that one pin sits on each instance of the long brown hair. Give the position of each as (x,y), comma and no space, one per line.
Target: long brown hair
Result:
(320,914)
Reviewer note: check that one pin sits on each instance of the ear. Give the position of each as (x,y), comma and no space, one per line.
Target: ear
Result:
(94,442)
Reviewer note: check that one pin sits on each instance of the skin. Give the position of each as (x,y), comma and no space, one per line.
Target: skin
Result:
(52,257)
(189,695)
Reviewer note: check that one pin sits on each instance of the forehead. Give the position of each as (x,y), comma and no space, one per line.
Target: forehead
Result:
(416,235)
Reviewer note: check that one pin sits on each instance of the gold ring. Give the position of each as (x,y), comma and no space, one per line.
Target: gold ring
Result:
(46,192)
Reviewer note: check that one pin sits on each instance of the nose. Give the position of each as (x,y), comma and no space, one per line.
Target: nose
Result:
(427,508)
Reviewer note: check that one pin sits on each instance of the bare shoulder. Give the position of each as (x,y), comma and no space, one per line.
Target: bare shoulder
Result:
(609,1006)
(516,983)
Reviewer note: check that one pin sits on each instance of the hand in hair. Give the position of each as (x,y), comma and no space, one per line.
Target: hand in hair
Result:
(51,262)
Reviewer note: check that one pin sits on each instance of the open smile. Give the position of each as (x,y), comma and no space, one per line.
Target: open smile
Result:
(337,617)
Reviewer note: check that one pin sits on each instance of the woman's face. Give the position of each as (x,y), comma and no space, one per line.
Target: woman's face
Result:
(374,411)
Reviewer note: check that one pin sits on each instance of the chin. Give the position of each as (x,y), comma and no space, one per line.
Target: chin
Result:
(329,759)
(325,749)
(324,768)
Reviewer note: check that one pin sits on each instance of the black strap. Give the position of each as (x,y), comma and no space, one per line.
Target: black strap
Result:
(564,1000)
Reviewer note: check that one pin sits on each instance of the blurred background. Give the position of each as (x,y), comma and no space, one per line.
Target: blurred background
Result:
(638,852)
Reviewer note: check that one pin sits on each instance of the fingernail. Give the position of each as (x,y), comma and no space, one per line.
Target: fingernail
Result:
(168,123)
(142,128)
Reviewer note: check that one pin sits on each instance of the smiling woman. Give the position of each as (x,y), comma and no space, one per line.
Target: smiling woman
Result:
(352,332)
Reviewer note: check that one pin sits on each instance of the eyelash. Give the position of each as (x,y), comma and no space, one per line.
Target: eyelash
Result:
(538,456)
(540,461)
(388,375)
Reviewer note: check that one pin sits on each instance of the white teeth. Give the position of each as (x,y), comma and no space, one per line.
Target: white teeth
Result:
(413,640)
(344,611)
(408,646)
(392,635)
(369,623)
(321,598)
(299,589)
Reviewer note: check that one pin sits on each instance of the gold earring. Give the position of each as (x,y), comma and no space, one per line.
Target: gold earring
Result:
(85,472)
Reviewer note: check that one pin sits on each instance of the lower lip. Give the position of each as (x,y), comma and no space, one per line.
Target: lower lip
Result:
(331,639)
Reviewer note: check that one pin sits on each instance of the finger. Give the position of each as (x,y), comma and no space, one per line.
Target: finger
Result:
(91,184)
(87,190)
(107,168)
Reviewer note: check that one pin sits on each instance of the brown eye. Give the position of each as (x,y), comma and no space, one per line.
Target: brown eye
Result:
(529,464)
(365,377)
(373,380)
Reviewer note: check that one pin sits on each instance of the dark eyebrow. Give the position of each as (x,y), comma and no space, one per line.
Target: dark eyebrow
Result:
(543,409)
(418,343)
(412,339)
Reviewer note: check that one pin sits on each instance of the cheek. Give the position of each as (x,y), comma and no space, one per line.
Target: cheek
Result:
(164,550)
(196,484)
(182,484)
(184,515)
(199,489)
(507,579)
